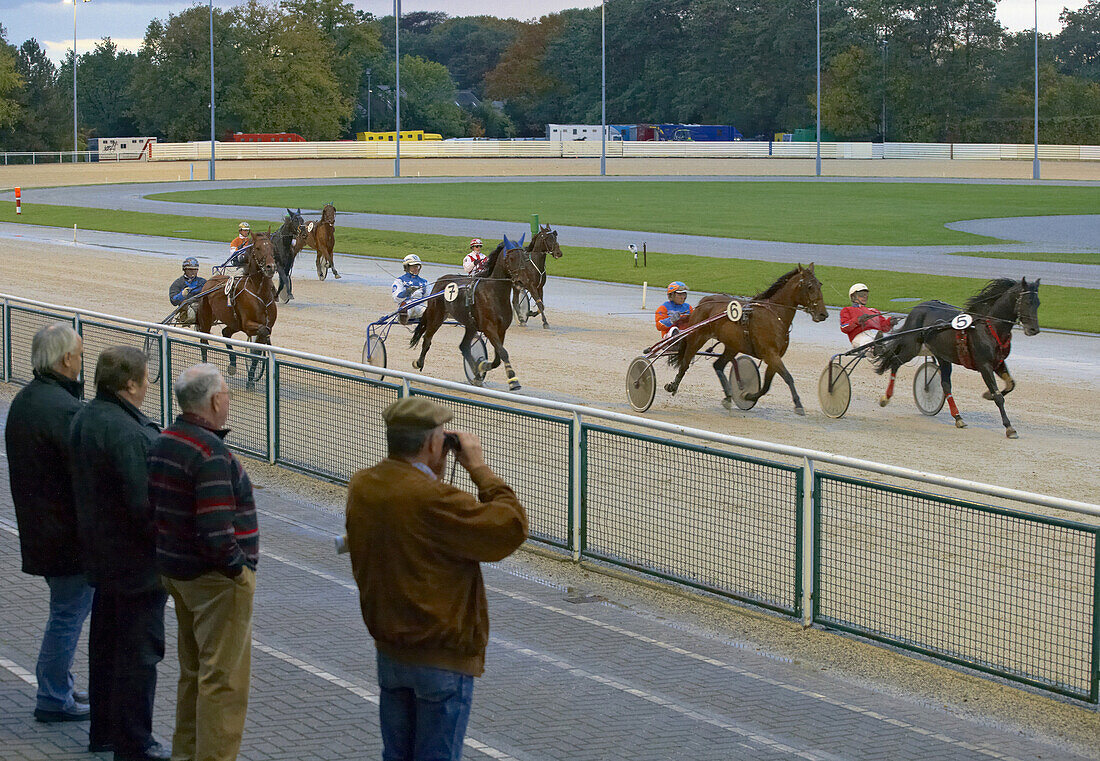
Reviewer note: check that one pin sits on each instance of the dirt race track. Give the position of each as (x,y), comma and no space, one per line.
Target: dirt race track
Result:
(584,356)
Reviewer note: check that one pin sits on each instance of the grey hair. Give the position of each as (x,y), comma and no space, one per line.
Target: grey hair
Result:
(51,343)
(196,385)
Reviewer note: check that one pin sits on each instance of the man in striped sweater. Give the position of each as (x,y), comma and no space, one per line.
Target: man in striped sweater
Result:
(207,546)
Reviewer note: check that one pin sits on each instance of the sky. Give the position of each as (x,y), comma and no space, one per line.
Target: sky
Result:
(124,21)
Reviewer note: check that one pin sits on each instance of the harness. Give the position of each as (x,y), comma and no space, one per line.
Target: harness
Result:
(966,351)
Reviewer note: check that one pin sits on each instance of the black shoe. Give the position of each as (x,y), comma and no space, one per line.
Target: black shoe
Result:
(101,747)
(79,712)
(80,696)
(155,752)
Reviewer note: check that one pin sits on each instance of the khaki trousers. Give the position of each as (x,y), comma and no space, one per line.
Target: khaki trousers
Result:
(215,653)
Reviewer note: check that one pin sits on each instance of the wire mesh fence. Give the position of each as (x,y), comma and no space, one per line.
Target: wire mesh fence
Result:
(725,523)
(986,587)
(98,336)
(23,323)
(531,451)
(329,423)
(247,377)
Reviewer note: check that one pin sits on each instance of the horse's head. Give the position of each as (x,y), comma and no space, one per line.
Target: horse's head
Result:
(518,265)
(261,257)
(294,224)
(546,240)
(809,293)
(1027,307)
(328,214)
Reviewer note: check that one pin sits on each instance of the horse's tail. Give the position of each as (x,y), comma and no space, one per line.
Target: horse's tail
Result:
(419,330)
(885,355)
(677,358)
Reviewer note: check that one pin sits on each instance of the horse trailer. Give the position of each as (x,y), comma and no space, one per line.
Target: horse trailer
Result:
(121,148)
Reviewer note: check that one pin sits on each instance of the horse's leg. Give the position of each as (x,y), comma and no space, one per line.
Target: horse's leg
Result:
(998,399)
(1010,383)
(885,398)
(496,338)
(228,332)
(431,320)
(775,365)
(331,259)
(720,365)
(692,343)
(542,312)
(945,384)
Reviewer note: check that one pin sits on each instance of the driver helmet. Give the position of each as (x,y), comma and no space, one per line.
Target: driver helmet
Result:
(856,289)
(676,287)
(244,229)
(410,260)
(190,263)
(476,243)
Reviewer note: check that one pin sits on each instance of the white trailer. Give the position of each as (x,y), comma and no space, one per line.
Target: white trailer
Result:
(121,148)
(567,132)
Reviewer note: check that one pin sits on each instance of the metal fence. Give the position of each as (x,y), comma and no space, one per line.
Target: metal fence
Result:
(994,587)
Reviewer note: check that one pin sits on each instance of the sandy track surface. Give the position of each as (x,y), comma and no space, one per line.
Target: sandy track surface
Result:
(584,356)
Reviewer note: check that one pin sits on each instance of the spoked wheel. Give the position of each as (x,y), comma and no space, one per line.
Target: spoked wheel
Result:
(749,382)
(152,354)
(374,351)
(480,352)
(522,306)
(927,391)
(834,390)
(641,384)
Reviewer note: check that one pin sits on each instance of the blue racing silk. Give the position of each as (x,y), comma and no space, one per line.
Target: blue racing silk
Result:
(406,285)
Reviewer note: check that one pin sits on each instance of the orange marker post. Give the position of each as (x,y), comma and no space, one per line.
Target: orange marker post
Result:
(18,201)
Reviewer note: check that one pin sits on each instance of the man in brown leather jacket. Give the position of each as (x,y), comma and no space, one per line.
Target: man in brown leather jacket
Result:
(416,545)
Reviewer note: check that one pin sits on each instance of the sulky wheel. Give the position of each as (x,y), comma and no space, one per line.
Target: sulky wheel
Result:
(641,384)
(834,390)
(152,354)
(374,351)
(480,353)
(749,382)
(927,391)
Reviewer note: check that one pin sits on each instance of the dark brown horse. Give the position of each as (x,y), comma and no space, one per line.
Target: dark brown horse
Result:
(253,310)
(321,237)
(480,304)
(983,345)
(544,242)
(762,332)
(286,242)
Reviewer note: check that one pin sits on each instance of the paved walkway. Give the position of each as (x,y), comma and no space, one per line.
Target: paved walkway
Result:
(566,679)
(919,259)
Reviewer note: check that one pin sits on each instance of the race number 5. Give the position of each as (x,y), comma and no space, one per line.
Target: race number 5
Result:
(962,321)
(450,293)
(734,311)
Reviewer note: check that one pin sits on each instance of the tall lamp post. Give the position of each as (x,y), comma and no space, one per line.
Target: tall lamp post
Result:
(211,90)
(818,88)
(1035,163)
(603,89)
(75,144)
(397,87)
(369,92)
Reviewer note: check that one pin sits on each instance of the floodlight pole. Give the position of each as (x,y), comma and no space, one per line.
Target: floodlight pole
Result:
(1035,163)
(76,145)
(212,90)
(818,88)
(369,93)
(397,91)
(603,88)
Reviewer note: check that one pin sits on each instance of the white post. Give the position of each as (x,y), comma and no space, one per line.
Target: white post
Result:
(645,285)
(211,177)
(818,88)
(808,539)
(397,87)
(1035,163)
(165,382)
(603,89)
(577,491)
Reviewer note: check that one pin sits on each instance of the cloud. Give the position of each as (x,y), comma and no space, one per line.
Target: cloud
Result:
(58,50)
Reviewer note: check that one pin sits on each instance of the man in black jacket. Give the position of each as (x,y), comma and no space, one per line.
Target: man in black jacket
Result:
(110,439)
(37,439)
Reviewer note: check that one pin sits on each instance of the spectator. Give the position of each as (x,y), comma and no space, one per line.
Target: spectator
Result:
(110,438)
(37,439)
(416,544)
(207,547)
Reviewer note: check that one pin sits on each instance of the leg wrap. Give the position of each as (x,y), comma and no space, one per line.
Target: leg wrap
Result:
(890,385)
(952,406)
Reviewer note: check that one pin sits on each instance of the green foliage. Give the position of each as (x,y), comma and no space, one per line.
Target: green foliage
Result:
(10,84)
(428,98)
(44,107)
(847,105)
(103,77)
(1078,52)
(1069,308)
(855,213)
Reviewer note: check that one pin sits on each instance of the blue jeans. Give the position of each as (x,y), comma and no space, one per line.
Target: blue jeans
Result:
(424,711)
(70,602)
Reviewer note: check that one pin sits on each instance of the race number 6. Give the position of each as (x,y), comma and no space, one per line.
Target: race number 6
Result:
(734,311)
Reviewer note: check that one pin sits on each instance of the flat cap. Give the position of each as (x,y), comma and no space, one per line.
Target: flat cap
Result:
(416,412)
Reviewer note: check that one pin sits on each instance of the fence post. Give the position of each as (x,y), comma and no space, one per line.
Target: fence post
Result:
(272,407)
(576,490)
(165,382)
(1094,688)
(6,327)
(809,542)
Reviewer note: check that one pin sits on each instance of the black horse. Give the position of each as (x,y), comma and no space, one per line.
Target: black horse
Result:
(983,345)
(293,228)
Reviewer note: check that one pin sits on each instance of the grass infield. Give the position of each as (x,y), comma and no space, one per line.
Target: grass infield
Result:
(1062,307)
(856,213)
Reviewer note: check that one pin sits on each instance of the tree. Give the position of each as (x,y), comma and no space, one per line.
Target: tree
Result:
(45,112)
(469,47)
(428,98)
(848,87)
(1078,44)
(103,77)
(10,84)
(520,79)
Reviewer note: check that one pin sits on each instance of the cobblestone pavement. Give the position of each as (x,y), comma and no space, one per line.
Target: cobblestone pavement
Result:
(566,679)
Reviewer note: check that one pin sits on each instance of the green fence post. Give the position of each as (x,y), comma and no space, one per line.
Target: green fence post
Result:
(534,224)
(578,451)
(6,327)
(165,381)
(1094,688)
(807,540)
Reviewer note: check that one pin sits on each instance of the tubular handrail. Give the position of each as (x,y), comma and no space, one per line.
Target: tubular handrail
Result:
(951,482)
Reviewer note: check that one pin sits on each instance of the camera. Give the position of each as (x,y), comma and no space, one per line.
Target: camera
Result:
(451,443)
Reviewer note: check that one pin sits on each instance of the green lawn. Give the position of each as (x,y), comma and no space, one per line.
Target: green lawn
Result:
(885,214)
(1084,257)
(1070,308)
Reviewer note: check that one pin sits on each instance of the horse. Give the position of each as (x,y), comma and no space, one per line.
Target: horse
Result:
(983,345)
(762,332)
(478,303)
(544,242)
(287,241)
(321,237)
(253,310)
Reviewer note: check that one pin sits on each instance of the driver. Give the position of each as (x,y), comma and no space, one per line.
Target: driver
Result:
(474,262)
(184,287)
(674,312)
(234,266)
(410,287)
(859,321)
